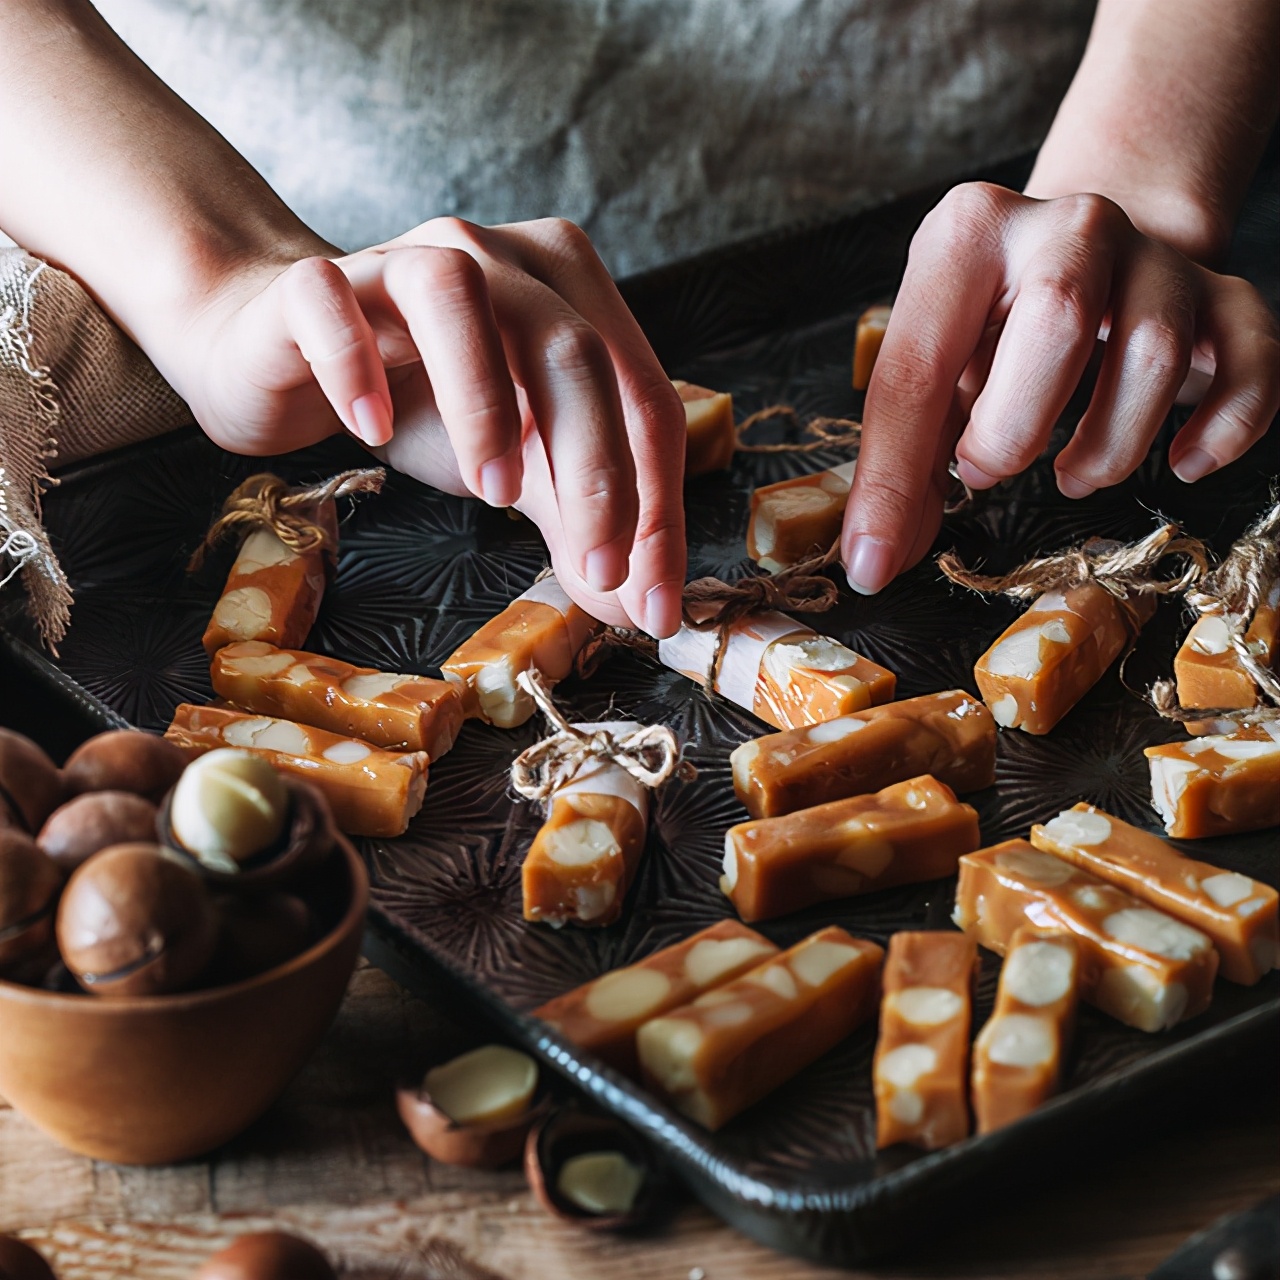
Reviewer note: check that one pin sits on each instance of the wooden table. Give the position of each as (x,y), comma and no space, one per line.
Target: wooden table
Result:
(331,1161)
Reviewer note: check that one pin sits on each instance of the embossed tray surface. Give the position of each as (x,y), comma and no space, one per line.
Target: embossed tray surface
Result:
(419,571)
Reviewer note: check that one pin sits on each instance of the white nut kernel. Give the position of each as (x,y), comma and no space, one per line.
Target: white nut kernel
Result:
(834,730)
(627,994)
(600,1182)
(1038,973)
(904,1066)
(581,843)
(906,1106)
(372,685)
(261,550)
(227,806)
(485,1086)
(926,1006)
(777,978)
(1078,827)
(349,751)
(1227,888)
(1039,868)
(244,612)
(1004,711)
(815,963)
(1153,931)
(1020,1040)
(711,958)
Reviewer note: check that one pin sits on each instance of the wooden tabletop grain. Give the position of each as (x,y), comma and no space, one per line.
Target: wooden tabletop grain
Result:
(331,1162)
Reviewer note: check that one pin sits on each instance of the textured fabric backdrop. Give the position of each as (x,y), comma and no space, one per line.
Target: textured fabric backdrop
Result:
(661,126)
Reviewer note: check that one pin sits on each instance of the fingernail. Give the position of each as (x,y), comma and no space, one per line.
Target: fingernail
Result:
(1194,465)
(605,569)
(1070,487)
(662,609)
(871,564)
(973,476)
(373,419)
(499,484)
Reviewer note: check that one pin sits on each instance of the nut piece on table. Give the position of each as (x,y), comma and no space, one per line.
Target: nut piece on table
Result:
(1019,1054)
(603,1016)
(29,886)
(30,785)
(399,712)
(797,518)
(711,437)
(921,1066)
(868,339)
(135,920)
(20,1261)
(1218,785)
(1208,669)
(949,735)
(76,830)
(124,760)
(267,1255)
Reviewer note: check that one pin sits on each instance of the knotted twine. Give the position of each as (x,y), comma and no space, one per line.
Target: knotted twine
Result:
(1233,591)
(265,501)
(650,754)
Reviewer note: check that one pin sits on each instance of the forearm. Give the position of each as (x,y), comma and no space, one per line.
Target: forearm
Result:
(1168,115)
(111,176)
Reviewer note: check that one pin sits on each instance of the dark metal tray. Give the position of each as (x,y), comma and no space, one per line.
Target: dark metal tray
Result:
(419,571)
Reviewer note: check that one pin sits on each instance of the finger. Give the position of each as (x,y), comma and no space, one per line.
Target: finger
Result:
(1148,353)
(954,274)
(443,297)
(323,319)
(1063,269)
(1244,396)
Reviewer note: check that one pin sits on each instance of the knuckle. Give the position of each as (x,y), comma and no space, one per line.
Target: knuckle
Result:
(1088,216)
(1161,347)
(659,409)
(905,381)
(575,349)
(1063,304)
(968,210)
(455,231)
(438,269)
(563,235)
(317,280)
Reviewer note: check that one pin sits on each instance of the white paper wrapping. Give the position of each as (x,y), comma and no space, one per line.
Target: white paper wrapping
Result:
(690,652)
(603,778)
(548,591)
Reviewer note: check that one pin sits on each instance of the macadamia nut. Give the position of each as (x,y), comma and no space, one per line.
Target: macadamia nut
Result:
(228,805)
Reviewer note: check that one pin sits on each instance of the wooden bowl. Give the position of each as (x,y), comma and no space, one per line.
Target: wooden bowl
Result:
(156,1079)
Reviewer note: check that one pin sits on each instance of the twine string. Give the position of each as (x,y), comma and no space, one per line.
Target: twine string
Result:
(825,433)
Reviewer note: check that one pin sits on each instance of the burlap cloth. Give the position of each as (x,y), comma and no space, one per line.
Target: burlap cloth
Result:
(71,385)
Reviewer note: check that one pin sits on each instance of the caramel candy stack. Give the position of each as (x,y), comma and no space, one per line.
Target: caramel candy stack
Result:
(1217,785)
(797,518)
(949,735)
(1137,964)
(868,339)
(372,792)
(711,437)
(1047,659)
(1208,669)
(911,831)
(780,670)
(273,593)
(413,713)
(603,1016)
(1018,1057)
(542,628)
(921,1065)
(1240,915)
(726,1050)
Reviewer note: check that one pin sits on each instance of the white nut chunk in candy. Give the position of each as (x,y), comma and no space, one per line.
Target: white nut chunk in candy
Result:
(227,807)
(600,1182)
(797,518)
(1239,915)
(602,1016)
(1208,667)
(487,1086)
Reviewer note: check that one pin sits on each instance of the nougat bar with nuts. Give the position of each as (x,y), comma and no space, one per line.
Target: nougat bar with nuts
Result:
(1046,660)
(949,735)
(716,1056)
(920,1071)
(711,437)
(780,670)
(372,792)
(1207,667)
(1019,1055)
(1219,784)
(603,1016)
(908,832)
(1137,964)
(1238,913)
(797,518)
(273,592)
(542,629)
(414,713)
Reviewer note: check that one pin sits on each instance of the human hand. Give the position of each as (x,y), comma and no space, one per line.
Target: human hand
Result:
(496,361)
(999,309)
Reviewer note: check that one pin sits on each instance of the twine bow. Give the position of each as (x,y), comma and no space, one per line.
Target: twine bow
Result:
(265,501)
(650,754)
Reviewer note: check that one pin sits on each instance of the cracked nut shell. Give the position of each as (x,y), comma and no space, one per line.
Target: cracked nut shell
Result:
(30,784)
(267,1255)
(29,888)
(78,829)
(20,1261)
(124,760)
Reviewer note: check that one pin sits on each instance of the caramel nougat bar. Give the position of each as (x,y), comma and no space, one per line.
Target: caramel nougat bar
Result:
(867,341)
(1217,785)
(1239,914)
(542,628)
(414,713)
(797,518)
(911,831)
(603,1016)
(273,593)
(1137,964)
(1019,1055)
(372,792)
(1049,658)
(726,1050)
(920,1071)
(949,735)
(1208,669)
(584,857)
(780,670)
(711,437)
